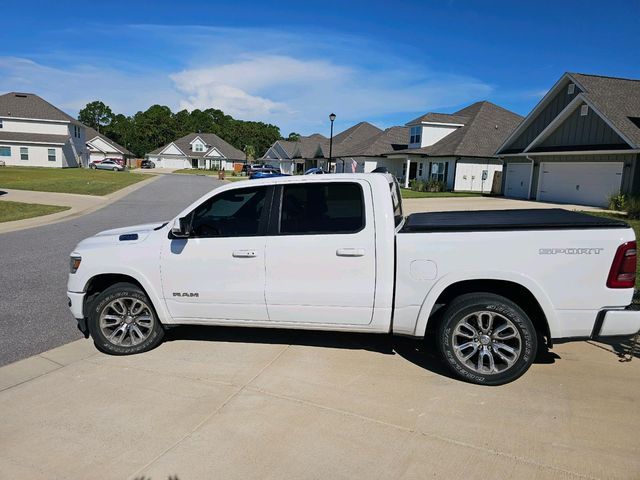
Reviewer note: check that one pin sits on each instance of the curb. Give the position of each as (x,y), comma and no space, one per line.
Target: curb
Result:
(74,212)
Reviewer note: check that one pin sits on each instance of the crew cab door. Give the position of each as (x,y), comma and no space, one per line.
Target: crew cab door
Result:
(320,254)
(218,273)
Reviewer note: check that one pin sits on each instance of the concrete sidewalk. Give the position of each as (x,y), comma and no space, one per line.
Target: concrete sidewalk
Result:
(248,403)
(80,204)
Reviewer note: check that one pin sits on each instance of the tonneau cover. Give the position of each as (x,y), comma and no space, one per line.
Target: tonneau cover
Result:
(529,219)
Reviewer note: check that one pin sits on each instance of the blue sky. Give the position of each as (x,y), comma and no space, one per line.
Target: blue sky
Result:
(292,63)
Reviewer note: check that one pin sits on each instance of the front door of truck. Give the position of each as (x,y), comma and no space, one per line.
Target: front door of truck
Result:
(218,273)
(320,254)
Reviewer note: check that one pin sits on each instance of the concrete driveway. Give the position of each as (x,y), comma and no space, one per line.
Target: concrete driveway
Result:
(233,403)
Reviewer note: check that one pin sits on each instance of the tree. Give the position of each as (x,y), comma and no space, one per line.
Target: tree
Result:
(96,115)
(293,137)
(250,152)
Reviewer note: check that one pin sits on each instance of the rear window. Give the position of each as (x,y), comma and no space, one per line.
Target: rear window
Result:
(322,208)
(396,200)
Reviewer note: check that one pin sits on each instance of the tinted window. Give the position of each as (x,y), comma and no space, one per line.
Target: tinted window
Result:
(235,213)
(321,208)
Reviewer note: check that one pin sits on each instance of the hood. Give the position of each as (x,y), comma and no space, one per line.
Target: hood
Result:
(122,236)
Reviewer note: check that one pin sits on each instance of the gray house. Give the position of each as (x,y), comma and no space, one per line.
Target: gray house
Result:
(580,144)
(197,150)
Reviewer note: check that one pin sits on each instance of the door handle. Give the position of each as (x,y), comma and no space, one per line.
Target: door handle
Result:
(245,253)
(350,252)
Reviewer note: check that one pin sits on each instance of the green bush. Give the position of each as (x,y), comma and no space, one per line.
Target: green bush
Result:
(617,201)
(633,208)
(413,184)
(435,186)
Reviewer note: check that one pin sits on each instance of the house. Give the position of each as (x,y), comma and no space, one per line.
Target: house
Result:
(315,150)
(580,144)
(101,147)
(457,149)
(197,150)
(35,133)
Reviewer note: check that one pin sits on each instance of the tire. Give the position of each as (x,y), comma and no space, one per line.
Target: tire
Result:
(122,321)
(115,169)
(487,339)
(92,166)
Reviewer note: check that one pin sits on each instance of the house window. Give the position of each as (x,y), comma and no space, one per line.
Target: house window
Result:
(571,89)
(198,147)
(584,110)
(51,154)
(438,171)
(420,169)
(0,123)
(5,151)
(416,135)
(24,153)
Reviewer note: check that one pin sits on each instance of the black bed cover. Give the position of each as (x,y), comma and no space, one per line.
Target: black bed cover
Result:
(529,219)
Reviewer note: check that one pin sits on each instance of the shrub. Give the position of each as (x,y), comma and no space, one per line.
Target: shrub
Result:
(633,208)
(413,184)
(617,201)
(435,186)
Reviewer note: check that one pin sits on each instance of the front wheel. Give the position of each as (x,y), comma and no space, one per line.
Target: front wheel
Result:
(487,339)
(122,321)
(115,169)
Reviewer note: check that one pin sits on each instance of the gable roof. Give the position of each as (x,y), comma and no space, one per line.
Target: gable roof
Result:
(211,139)
(91,134)
(356,134)
(618,99)
(435,117)
(486,126)
(391,139)
(30,105)
(615,100)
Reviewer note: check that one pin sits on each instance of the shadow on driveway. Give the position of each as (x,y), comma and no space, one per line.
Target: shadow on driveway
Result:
(423,353)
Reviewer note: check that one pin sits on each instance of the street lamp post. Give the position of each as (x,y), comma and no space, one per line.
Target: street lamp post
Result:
(332,117)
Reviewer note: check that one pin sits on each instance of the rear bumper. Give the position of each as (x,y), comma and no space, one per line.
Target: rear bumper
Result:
(613,323)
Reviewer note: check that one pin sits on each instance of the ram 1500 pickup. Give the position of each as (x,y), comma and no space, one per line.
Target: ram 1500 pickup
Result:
(335,252)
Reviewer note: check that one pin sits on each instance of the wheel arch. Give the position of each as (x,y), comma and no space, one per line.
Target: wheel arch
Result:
(521,291)
(99,282)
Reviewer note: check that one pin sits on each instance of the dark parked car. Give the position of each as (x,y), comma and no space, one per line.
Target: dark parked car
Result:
(266,173)
(315,171)
(147,164)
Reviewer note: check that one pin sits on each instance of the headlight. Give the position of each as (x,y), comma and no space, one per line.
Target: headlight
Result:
(74,263)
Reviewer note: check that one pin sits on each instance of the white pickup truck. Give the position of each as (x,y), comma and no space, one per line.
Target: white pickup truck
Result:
(334,252)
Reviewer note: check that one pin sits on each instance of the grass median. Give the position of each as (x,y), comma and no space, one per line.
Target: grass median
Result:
(408,193)
(228,175)
(10,211)
(66,180)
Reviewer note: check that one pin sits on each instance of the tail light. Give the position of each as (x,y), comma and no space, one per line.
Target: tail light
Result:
(623,268)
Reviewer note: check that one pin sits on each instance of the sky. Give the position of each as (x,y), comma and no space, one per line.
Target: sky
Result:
(293,63)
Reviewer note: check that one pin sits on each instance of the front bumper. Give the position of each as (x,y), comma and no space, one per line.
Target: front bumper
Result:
(76,305)
(613,323)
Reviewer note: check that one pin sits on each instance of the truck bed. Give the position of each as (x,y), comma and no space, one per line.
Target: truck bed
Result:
(487,220)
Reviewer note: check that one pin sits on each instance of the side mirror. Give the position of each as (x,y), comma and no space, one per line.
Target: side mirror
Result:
(181,227)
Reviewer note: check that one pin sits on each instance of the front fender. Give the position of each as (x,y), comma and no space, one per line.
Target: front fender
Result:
(450,279)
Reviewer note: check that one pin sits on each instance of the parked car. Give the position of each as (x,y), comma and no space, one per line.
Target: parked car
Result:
(108,164)
(147,164)
(251,167)
(336,253)
(315,171)
(266,173)
(119,161)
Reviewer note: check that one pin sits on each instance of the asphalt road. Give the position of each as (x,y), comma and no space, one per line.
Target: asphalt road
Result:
(34,263)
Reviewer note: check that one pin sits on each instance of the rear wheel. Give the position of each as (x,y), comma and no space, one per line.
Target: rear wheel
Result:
(122,321)
(487,339)
(115,169)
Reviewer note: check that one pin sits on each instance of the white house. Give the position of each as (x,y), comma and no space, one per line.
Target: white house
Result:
(457,149)
(34,133)
(101,147)
(197,150)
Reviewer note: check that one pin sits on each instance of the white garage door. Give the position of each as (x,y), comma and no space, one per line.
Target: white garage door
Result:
(580,183)
(517,181)
(174,163)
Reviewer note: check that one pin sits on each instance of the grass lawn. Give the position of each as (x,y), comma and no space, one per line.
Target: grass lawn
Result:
(635,224)
(10,211)
(408,193)
(66,180)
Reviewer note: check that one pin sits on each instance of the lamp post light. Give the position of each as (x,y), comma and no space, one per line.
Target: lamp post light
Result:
(332,117)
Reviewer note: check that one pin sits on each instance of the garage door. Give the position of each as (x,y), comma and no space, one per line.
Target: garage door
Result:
(517,180)
(174,163)
(579,183)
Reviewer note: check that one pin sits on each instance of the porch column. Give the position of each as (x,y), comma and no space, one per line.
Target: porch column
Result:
(406,176)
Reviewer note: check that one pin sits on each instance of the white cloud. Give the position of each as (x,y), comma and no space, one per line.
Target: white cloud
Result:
(288,79)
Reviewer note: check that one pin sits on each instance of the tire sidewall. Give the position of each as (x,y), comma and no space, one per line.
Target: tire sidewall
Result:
(515,315)
(102,342)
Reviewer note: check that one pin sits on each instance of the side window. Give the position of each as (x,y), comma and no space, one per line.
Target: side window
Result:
(317,208)
(235,213)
